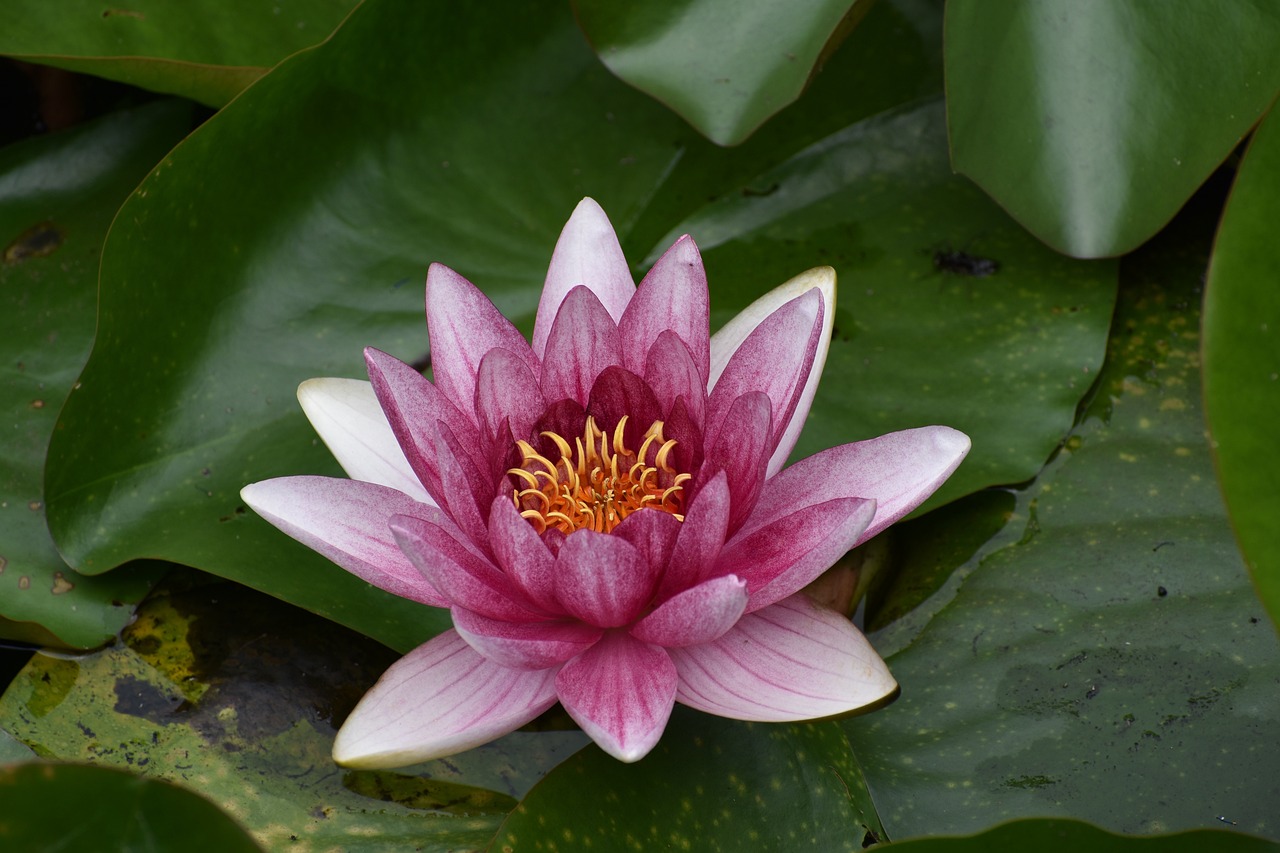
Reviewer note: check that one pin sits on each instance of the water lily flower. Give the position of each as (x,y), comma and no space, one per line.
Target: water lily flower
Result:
(604,510)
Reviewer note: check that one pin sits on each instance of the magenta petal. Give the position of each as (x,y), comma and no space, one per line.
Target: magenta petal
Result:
(621,691)
(587,253)
(583,342)
(698,615)
(783,556)
(440,699)
(741,450)
(346,521)
(617,392)
(653,533)
(524,645)
(521,553)
(462,575)
(463,487)
(701,536)
(673,297)
(463,325)
(507,393)
(602,579)
(776,358)
(898,471)
(792,661)
(670,371)
(412,406)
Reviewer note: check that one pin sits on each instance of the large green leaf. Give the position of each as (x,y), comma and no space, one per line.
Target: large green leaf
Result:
(1092,122)
(58,195)
(1111,662)
(1051,835)
(725,65)
(235,694)
(207,50)
(74,809)
(1242,358)
(289,264)
(710,784)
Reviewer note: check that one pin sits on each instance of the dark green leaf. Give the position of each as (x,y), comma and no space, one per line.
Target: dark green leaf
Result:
(77,809)
(58,195)
(726,66)
(1092,122)
(710,784)
(1242,359)
(1044,836)
(207,50)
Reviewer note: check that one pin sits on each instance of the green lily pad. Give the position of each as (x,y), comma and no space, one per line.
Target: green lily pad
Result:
(724,65)
(74,808)
(237,695)
(1092,123)
(1242,359)
(710,784)
(1051,835)
(58,195)
(1110,662)
(206,50)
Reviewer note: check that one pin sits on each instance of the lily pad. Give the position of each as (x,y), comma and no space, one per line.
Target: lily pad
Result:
(1242,358)
(73,808)
(1050,835)
(1092,123)
(58,195)
(1111,662)
(206,50)
(726,66)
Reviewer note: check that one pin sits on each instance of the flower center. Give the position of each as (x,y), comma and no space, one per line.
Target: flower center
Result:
(597,481)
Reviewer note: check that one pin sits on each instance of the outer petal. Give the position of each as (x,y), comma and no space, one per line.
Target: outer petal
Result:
(347,521)
(582,343)
(602,579)
(587,253)
(673,297)
(524,645)
(781,558)
(463,576)
(441,698)
(777,359)
(346,414)
(464,325)
(898,471)
(791,661)
(726,342)
(621,691)
(695,616)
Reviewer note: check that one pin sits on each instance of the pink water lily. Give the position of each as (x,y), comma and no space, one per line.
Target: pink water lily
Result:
(605,511)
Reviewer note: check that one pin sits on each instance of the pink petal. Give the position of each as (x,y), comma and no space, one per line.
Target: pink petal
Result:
(347,521)
(776,358)
(463,576)
(463,487)
(583,342)
(440,699)
(522,554)
(463,325)
(780,558)
(619,392)
(621,691)
(587,253)
(698,615)
(653,533)
(726,342)
(412,406)
(524,645)
(898,471)
(507,393)
(673,297)
(346,414)
(791,661)
(602,579)
(701,536)
(741,450)
(671,373)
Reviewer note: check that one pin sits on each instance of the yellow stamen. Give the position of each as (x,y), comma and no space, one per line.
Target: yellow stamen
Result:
(598,481)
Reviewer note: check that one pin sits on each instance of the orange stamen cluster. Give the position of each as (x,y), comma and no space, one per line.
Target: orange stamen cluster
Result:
(598,481)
